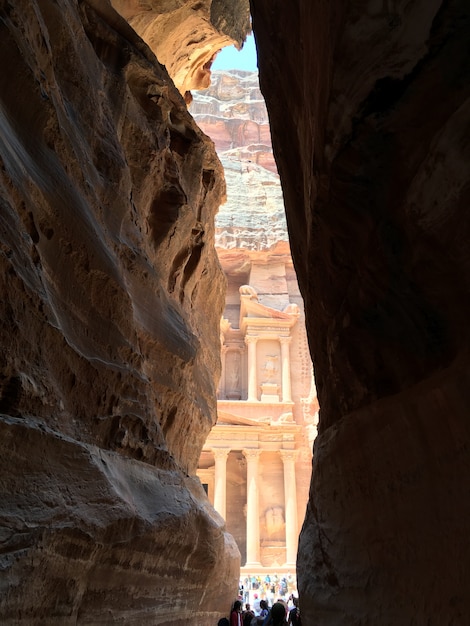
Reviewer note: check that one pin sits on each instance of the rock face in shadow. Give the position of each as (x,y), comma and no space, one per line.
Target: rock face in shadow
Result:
(111,300)
(370,131)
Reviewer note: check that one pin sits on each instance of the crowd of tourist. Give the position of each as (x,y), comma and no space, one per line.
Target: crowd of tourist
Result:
(281,613)
(269,587)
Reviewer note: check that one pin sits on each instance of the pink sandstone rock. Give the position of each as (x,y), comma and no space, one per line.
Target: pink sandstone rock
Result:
(186,36)
(233,113)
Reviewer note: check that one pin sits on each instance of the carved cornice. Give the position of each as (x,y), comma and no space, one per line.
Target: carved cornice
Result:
(267,325)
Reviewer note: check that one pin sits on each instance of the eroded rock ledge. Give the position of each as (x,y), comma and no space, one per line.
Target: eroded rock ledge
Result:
(186,36)
(111,299)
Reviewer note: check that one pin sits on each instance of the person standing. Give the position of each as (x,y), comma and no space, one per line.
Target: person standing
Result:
(256,604)
(263,612)
(247,615)
(294,614)
(277,616)
(236,614)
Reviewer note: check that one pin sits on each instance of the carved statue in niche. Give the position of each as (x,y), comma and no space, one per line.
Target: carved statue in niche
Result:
(274,518)
(233,377)
(270,366)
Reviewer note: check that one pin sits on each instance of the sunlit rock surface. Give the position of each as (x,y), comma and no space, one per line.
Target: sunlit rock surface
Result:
(370,114)
(111,300)
(233,113)
(187,35)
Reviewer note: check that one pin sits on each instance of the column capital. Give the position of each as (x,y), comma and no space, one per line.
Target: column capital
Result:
(285,340)
(251,453)
(220,453)
(288,455)
(251,338)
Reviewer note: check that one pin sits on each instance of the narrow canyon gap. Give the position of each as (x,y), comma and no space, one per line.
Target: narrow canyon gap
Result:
(110,352)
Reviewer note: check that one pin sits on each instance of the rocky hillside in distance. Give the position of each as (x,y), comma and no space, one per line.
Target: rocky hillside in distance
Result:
(233,113)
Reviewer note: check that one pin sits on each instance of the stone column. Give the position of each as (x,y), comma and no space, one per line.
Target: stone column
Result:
(290,495)
(220,480)
(285,358)
(251,340)
(222,384)
(252,509)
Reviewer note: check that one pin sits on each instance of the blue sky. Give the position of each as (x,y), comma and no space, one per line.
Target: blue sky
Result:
(231,59)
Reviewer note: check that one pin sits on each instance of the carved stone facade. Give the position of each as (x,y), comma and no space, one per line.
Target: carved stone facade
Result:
(256,463)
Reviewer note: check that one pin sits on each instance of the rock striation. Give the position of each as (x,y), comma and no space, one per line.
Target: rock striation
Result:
(111,300)
(370,131)
(232,111)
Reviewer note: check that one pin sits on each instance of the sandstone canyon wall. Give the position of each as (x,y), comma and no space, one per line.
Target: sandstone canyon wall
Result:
(370,114)
(111,300)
